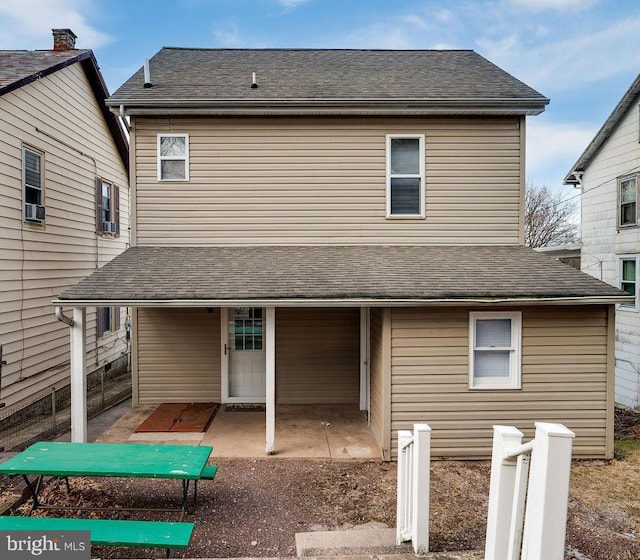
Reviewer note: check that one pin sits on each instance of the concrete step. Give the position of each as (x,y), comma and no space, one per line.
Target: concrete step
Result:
(362,541)
(366,542)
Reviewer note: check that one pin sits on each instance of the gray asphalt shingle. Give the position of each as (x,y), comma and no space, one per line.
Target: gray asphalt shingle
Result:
(335,272)
(184,76)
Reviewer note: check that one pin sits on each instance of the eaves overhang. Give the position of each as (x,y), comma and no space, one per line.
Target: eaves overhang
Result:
(345,302)
(295,106)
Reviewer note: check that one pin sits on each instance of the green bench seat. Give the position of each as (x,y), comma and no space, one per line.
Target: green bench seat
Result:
(209,472)
(110,532)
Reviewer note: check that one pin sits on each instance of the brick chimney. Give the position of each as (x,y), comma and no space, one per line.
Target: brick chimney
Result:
(63,39)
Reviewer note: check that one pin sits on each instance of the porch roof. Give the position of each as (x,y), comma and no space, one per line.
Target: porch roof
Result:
(339,275)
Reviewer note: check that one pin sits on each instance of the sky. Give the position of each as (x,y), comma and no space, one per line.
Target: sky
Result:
(582,54)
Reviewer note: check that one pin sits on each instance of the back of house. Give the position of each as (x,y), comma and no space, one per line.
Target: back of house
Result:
(346,226)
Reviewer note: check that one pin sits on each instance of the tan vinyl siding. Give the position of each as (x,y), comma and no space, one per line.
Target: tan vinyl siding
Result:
(564,379)
(322,181)
(178,355)
(317,355)
(39,262)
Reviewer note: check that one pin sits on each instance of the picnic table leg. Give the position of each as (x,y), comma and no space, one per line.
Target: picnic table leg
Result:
(34,491)
(185,495)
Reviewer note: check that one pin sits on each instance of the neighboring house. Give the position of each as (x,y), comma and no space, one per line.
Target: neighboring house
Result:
(608,173)
(568,254)
(346,226)
(64,212)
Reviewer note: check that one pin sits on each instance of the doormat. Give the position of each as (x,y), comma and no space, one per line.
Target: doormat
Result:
(245,408)
(179,417)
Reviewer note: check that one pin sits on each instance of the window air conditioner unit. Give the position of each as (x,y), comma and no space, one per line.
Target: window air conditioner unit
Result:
(34,212)
(109,227)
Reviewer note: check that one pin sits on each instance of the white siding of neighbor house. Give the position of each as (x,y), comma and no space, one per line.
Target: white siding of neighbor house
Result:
(38,263)
(322,181)
(566,373)
(603,242)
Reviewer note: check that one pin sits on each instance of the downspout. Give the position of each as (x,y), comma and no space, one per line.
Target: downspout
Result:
(62,317)
(123,119)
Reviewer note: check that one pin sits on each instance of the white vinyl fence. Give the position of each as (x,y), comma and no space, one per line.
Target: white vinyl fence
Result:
(528,496)
(535,474)
(414,456)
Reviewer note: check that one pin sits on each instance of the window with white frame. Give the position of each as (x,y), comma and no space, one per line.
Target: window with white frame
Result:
(495,347)
(405,176)
(173,157)
(107,208)
(628,202)
(34,210)
(629,279)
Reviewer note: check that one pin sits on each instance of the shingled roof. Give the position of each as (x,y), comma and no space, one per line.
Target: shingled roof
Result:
(289,80)
(20,68)
(298,274)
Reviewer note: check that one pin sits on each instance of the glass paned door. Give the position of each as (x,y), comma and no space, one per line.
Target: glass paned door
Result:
(247,374)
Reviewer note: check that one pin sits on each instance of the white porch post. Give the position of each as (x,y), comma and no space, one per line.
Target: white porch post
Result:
(78,376)
(270,358)
(364,359)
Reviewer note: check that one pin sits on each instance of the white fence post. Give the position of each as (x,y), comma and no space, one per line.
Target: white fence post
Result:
(501,492)
(547,499)
(412,514)
(421,491)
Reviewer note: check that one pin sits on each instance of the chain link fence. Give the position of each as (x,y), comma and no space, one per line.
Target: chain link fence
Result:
(50,415)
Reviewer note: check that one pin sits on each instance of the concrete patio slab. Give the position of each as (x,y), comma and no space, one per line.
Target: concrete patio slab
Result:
(302,431)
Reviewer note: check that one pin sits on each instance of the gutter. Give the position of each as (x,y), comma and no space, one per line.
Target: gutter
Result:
(411,106)
(336,302)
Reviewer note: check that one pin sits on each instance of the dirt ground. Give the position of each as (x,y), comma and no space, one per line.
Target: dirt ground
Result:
(255,507)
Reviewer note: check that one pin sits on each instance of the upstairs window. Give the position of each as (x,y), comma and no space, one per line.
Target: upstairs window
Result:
(629,279)
(107,208)
(34,210)
(405,176)
(173,157)
(628,202)
(494,350)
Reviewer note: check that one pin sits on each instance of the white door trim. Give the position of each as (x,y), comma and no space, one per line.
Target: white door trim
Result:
(224,363)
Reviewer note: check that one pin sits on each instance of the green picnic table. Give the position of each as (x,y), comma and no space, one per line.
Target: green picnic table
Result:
(137,460)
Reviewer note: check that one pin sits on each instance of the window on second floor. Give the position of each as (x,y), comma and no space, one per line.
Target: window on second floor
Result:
(107,208)
(33,181)
(628,274)
(628,202)
(173,157)
(405,176)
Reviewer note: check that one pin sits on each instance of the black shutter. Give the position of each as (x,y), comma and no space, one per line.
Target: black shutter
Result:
(115,195)
(98,206)
(100,324)
(116,319)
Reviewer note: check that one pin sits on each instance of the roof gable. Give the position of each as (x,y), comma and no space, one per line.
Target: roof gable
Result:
(629,99)
(404,80)
(20,68)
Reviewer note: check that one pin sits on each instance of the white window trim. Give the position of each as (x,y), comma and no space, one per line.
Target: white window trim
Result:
(514,381)
(629,306)
(421,138)
(160,158)
(40,154)
(636,223)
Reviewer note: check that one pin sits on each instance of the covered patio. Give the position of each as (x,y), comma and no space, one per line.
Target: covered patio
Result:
(303,431)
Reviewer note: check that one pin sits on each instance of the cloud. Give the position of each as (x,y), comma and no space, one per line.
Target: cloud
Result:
(587,57)
(552,148)
(290,4)
(557,5)
(19,29)
(229,36)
